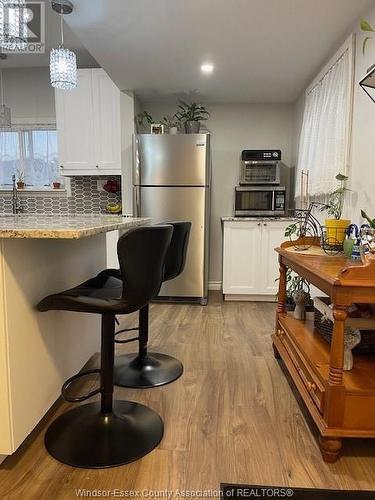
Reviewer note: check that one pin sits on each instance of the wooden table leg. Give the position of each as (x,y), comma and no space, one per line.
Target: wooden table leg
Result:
(330,448)
(281,297)
(336,360)
(335,395)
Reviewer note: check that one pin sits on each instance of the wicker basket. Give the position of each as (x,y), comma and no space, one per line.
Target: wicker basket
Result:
(325,328)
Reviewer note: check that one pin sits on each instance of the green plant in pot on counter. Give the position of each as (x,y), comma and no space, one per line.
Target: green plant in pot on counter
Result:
(336,226)
(192,114)
(20,179)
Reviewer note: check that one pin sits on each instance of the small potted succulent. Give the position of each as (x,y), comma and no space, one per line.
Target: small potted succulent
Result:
(336,226)
(192,114)
(171,123)
(20,179)
(143,122)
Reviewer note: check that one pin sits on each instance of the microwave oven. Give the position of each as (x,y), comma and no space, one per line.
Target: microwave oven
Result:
(259,201)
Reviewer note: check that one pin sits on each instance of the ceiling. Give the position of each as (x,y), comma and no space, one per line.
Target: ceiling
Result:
(263,50)
(52,34)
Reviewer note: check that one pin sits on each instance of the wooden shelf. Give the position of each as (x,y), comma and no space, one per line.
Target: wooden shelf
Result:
(342,403)
(314,348)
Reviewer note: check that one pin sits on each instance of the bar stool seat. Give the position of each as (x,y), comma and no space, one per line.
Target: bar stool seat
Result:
(110,433)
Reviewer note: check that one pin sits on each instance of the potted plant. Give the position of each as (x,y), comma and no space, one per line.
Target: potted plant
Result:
(191,115)
(20,179)
(369,220)
(335,225)
(143,122)
(171,123)
(56,184)
(295,283)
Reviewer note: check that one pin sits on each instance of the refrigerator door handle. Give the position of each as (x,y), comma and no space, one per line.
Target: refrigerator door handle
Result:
(137,201)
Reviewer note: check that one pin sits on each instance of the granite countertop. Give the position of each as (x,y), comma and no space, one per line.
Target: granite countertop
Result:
(233,218)
(63,227)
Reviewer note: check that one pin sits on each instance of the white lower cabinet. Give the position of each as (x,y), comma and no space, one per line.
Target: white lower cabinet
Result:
(250,263)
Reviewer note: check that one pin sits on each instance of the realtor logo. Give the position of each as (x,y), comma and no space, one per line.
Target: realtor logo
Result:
(35,31)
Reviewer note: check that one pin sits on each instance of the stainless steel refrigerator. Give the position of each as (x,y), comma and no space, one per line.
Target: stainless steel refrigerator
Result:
(171,177)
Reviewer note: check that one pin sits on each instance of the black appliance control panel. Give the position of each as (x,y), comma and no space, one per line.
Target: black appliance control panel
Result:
(261,155)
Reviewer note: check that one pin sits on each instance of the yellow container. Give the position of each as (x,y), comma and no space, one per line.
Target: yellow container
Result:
(336,229)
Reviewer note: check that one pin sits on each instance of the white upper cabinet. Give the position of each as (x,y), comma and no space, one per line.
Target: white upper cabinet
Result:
(89,126)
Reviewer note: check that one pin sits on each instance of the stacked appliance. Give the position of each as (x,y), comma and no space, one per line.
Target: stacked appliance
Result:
(171,181)
(264,184)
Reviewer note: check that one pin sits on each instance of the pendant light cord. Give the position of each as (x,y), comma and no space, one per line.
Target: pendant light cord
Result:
(1,85)
(62,28)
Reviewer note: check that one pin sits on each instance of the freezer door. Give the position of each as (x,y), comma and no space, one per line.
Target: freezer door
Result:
(165,204)
(171,160)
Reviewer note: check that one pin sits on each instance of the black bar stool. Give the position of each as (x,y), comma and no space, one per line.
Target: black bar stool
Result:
(151,369)
(110,433)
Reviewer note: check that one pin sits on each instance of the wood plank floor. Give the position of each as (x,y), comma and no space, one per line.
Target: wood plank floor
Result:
(231,417)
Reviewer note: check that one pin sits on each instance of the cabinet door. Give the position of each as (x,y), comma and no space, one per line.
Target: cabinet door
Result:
(272,237)
(75,122)
(107,145)
(241,257)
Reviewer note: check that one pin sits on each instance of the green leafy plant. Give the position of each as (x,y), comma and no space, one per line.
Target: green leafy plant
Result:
(170,121)
(142,120)
(336,199)
(20,176)
(294,282)
(366,27)
(193,112)
(370,221)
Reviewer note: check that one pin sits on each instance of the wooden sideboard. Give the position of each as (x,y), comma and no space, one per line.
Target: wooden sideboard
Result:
(341,403)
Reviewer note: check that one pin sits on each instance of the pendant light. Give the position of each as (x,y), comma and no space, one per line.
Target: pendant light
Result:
(5,121)
(13,24)
(63,62)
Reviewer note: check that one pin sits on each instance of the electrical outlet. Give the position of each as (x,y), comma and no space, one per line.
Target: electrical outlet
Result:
(100,183)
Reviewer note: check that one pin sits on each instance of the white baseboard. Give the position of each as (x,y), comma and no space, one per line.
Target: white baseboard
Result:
(250,298)
(214,285)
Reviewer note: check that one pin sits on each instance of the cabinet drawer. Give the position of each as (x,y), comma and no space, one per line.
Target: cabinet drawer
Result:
(310,381)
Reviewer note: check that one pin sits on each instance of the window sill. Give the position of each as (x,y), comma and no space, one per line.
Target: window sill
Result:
(34,191)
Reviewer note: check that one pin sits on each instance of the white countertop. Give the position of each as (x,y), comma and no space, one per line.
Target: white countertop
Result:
(63,227)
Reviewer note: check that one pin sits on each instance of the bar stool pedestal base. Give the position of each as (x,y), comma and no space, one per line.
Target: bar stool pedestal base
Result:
(85,437)
(151,371)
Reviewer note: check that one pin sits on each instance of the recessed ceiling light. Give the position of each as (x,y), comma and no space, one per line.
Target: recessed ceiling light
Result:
(207,68)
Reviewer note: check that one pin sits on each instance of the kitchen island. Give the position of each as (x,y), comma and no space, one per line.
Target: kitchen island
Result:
(40,255)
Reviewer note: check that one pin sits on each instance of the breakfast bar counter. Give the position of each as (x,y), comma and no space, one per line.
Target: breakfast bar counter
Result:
(40,255)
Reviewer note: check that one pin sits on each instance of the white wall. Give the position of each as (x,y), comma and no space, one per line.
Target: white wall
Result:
(362,171)
(29,94)
(235,127)
(362,175)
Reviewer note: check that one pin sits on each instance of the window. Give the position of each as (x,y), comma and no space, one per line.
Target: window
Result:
(30,152)
(324,148)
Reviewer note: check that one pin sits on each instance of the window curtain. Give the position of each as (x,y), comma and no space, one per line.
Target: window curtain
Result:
(31,150)
(323,147)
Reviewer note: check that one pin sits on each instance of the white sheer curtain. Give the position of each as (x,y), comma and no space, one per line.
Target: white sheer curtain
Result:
(31,150)
(324,142)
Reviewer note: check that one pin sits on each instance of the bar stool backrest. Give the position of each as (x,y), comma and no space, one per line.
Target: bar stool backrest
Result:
(176,254)
(141,253)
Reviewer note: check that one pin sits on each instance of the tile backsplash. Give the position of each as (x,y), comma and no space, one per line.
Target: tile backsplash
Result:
(85,199)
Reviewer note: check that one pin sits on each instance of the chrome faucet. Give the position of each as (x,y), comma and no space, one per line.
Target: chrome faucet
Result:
(16,203)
